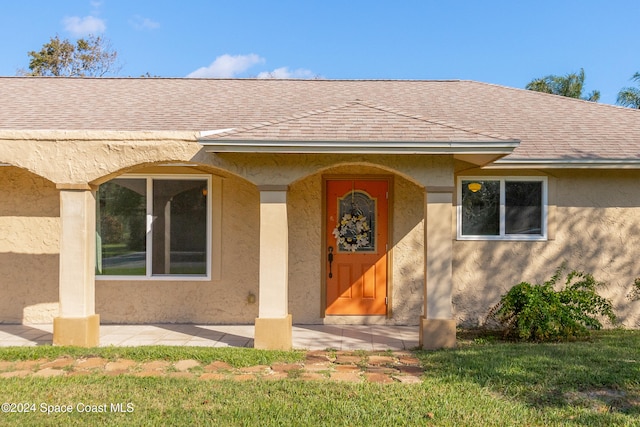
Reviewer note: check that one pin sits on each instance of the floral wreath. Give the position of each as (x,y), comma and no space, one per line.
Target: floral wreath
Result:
(352,232)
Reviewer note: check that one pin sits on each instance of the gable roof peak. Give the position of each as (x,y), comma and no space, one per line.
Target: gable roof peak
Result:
(356,120)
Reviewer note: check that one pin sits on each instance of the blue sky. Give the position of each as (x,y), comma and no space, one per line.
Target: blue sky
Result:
(505,42)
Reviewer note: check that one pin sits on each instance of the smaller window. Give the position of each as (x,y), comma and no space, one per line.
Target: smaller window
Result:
(502,208)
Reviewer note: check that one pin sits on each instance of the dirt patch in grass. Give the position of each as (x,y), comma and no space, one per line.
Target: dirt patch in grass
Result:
(604,400)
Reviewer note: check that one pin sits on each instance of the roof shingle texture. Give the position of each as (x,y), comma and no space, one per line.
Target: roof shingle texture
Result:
(548,126)
(356,121)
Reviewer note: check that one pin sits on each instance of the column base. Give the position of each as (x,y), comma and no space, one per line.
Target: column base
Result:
(77,331)
(437,333)
(273,334)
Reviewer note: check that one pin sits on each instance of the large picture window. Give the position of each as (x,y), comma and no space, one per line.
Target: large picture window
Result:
(153,226)
(502,208)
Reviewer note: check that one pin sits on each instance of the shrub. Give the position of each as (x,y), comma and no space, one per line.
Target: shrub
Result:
(635,290)
(542,313)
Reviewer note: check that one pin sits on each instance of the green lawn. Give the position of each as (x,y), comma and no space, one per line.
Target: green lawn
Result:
(484,382)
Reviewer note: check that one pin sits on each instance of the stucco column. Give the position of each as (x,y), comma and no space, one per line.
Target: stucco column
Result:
(437,326)
(273,325)
(77,324)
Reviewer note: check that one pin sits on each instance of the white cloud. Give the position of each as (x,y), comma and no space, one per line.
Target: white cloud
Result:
(141,23)
(227,66)
(285,73)
(84,26)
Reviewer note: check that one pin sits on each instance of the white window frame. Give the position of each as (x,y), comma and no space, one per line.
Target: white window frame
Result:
(214,196)
(502,235)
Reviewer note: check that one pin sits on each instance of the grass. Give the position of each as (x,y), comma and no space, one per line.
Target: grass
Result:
(485,382)
(236,357)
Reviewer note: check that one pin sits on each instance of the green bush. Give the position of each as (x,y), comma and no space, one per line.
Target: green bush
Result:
(542,313)
(635,290)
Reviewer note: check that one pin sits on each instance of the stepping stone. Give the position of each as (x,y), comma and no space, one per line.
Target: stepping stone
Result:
(411,370)
(276,376)
(317,357)
(185,365)
(59,363)
(285,367)
(313,376)
(29,364)
(378,378)
(382,370)
(316,367)
(155,366)
(351,377)
(258,369)
(91,363)
(217,365)
(409,360)
(346,359)
(381,360)
(213,376)
(347,368)
(49,372)
(121,365)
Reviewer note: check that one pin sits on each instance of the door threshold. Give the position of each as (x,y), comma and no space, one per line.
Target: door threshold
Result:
(333,319)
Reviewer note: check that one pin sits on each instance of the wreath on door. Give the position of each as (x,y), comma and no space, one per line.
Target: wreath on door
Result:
(352,232)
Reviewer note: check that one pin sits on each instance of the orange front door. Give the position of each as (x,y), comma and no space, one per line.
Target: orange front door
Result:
(356,253)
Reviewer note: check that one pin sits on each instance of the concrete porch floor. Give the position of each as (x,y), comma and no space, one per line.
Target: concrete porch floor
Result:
(309,337)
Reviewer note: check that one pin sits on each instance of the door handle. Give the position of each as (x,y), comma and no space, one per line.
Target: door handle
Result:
(330,258)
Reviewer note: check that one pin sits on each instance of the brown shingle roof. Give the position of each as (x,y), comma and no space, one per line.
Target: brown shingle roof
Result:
(356,121)
(548,126)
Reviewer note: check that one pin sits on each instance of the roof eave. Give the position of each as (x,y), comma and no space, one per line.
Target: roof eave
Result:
(506,163)
(358,147)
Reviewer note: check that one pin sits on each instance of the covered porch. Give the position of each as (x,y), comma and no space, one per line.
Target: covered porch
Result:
(269,264)
(307,337)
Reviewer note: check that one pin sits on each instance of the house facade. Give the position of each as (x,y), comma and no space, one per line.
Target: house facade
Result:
(272,202)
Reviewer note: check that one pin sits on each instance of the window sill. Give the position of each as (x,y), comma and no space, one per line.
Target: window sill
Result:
(176,278)
(512,238)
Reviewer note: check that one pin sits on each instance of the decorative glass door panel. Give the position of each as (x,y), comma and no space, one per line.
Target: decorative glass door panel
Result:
(356,231)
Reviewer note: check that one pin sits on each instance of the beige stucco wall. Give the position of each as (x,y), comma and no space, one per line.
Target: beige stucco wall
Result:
(284,169)
(81,157)
(92,156)
(29,247)
(595,228)
(304,213)
(408,253)
(215,301)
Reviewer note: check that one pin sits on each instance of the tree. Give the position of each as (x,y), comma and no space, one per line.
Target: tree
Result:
(630,96)
(570,85)
(88,57)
